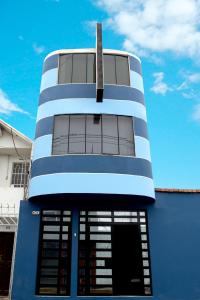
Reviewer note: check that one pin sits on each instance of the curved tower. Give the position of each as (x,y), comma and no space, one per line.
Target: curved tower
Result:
(86,146)
(91,181)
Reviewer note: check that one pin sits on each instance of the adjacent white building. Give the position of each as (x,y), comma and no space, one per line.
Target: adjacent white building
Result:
(15,156)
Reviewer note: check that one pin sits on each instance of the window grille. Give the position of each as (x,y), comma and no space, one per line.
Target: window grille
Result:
(20,173)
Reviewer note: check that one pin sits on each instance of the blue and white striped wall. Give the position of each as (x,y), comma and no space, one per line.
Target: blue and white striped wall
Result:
(90,173)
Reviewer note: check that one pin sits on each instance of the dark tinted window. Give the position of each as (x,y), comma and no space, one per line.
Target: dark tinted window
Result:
(109,69)
(93,134)
(81,68)
(77,68)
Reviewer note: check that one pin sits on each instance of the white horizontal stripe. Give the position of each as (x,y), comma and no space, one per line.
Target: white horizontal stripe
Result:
(90,106)
(42,146)
(136,81)
(142,148)
(91,183)
(49,78)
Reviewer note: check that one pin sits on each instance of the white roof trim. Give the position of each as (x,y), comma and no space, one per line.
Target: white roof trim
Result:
(91,50)
(15,131)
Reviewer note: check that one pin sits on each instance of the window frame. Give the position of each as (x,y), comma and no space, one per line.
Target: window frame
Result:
(111,223)
(26,175)
(106,53)
(59,249)
(102,154)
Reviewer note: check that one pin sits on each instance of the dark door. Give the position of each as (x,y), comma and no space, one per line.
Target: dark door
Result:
(127,260)
(6,249)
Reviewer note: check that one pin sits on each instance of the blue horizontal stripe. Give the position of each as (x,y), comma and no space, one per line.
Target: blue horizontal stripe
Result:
(91,164)
(45,126)
(50,63)
(135,65)
(89,91)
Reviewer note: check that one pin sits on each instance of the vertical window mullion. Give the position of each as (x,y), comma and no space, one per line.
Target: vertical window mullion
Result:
(59,257)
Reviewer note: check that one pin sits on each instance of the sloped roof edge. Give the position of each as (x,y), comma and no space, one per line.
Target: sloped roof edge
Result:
(174,190)
(15,131)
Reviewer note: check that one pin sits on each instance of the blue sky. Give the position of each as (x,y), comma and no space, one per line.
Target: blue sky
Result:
(165,34)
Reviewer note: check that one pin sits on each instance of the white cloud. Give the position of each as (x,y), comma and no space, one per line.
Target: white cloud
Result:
(196,113)
(7,106)
(38,49)
(159,86)
(154,26)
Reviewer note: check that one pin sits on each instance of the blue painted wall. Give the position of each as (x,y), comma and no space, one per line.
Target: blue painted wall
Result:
(174,227)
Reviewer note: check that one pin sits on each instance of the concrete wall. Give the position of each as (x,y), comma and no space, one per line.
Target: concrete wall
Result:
(174,227)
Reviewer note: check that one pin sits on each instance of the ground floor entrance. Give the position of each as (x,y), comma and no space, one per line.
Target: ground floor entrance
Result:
(6,250)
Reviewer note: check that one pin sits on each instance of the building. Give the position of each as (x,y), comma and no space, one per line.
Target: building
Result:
(15,153)
(98,227)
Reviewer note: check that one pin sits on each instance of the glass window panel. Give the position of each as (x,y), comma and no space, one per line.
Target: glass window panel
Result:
(50,262)
(103,245)
(65,68)
(125,213)
(122,70)
(142,213)
(100,237)
(51,228)
(48,290)
(99,219)
(60,135)
(103,280)
(49,271)
(93,134)
(50,253)
(51,212)
(143,237)
(46,280)
(126,220)
(144,254)
(103,254)
(126,135)
(104,290)
(100,263)
(100,228)
(65,219)
(49,219)
(65,236)
(110,134)
(146,272)
(107,272)
(50,236)
(79,68)
(145,263)
(144,245)
(99,213)
(51,244)
(65,228)
(82,227)
(77,134)
(82,237)
(109,69)
(66,212)
(91,68)
(146,281)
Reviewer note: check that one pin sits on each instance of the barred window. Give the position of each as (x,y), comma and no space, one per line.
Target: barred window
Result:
(20,173)
(93,134)
(54,265)
(113,254)
(81,68)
